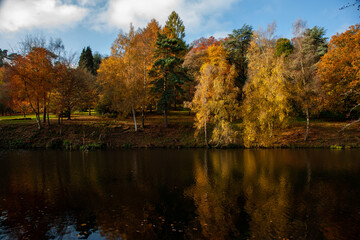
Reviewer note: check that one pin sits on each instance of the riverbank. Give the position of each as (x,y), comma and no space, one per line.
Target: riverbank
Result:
(93,132)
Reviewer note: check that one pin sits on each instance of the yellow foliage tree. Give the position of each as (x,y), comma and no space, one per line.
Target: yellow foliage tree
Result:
(215,97)
(145,41)
(122,74)
(266,105)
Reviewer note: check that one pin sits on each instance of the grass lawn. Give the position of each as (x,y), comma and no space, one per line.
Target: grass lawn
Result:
(19,117)
(84,129)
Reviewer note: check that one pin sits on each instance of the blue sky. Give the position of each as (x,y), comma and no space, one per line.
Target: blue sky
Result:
(96,23)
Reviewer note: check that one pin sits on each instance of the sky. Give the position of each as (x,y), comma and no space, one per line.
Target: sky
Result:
(96,23)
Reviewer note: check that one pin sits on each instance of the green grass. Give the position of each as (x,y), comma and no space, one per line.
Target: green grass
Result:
(10,119)
(78,113)
(32,116)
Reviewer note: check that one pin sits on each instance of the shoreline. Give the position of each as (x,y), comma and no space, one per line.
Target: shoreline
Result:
(83,134)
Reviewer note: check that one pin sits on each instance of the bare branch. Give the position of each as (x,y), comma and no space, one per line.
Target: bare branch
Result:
(349,124)
(352,109)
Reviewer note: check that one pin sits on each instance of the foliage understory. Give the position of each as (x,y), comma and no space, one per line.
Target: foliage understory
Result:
(90,133)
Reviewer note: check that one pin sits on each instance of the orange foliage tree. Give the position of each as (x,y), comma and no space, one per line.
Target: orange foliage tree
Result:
(4,92)
(33,77)
(339,71)
(193,61)
(145,43)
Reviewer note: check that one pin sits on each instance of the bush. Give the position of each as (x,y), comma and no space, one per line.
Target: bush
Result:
(104,107)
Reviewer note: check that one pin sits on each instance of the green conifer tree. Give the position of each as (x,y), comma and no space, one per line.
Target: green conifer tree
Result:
(167,71)
(86,60)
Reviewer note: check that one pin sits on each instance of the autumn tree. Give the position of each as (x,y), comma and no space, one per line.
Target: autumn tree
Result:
(145,44)
(309,46)
(34,77)
(237,44)
(215,98)
(167,70)
(338,71)
(70,89)
(14,99)
(195,58)
(10,101)
(5,97)
(110,80)
(193,61)
(265,106)
(54,47)
(123,72)
(4,93)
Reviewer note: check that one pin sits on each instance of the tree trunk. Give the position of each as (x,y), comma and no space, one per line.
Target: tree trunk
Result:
(89,111)
(165,118)
(60,126)
(144,97)
(134,116)
(69,113)
(307,124)
(44,116)
(175,109)
(142,117)
(166,104)
(205,130)
(37,116)
(307,108)
(24,114)
(48,118)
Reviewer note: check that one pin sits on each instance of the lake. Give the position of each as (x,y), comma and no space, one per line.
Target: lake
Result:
(180,194)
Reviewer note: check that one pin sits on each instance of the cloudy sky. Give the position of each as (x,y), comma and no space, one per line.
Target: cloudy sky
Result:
(96,23)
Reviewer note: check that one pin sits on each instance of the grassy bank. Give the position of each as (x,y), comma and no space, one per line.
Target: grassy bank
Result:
(93,132)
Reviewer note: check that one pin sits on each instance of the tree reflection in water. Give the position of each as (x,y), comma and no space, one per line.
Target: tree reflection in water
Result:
(171,194)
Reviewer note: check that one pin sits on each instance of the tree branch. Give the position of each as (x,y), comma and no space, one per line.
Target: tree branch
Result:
(352,109)
(349,124)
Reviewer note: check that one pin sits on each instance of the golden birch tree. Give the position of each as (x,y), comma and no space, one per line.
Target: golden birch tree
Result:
(145,42)
(266,105)
(215,97)
(309,46)
(122,74)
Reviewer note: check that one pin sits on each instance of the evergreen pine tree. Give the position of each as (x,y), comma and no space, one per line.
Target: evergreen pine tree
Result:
(167,71)
(236,45)
(86,60)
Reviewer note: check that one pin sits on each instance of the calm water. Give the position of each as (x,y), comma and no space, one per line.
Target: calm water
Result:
(180,194)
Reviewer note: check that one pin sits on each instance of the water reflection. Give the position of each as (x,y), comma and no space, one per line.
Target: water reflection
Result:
(172,194)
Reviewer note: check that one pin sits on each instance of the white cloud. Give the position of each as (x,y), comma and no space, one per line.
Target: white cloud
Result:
(220,34)
(17,15)
(198,15)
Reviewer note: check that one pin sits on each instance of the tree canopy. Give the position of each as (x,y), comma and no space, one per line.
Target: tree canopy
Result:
(339,71)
